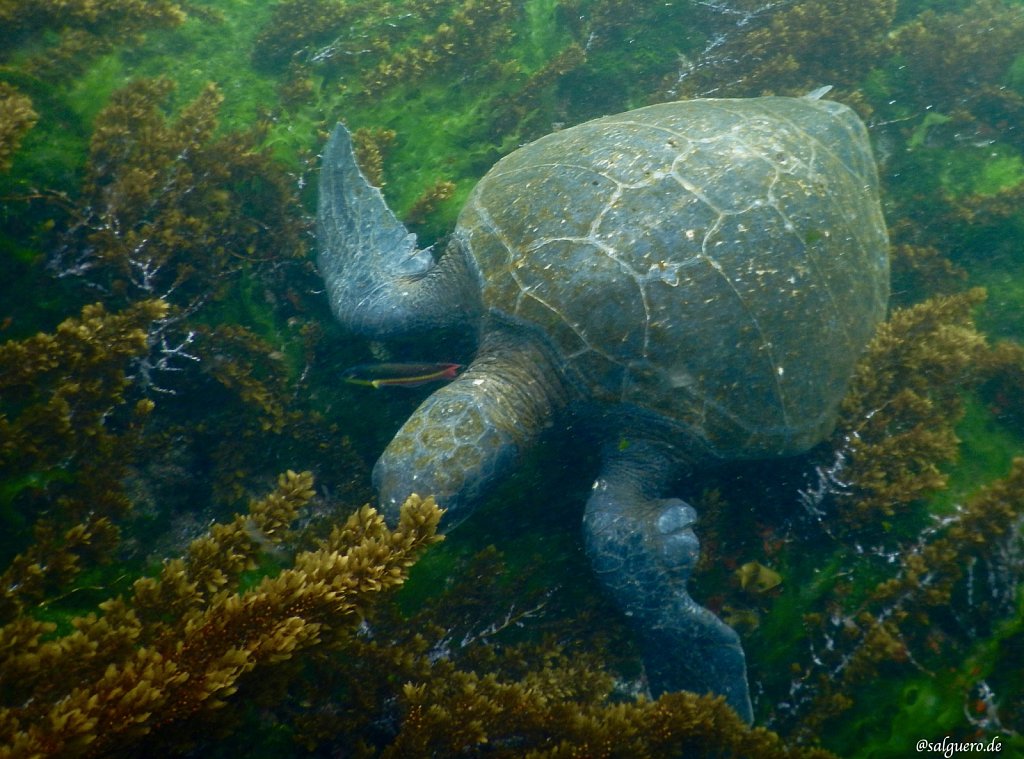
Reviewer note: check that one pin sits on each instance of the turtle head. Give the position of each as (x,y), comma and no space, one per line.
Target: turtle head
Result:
(380,284)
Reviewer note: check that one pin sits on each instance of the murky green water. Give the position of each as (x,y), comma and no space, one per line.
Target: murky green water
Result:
(167,351)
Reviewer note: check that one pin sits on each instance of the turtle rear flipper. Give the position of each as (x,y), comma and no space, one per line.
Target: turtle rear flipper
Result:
(378,282)
(643,549)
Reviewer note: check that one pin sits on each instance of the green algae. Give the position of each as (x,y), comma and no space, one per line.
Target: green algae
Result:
(934,705)
(544,36)
(987,448)
(980,170)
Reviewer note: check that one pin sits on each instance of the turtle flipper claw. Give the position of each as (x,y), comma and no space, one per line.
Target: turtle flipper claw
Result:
(674,538)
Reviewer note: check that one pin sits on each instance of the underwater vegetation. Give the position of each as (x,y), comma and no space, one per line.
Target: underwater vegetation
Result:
(794,49)
(959,64)
(59,391)
(179,642)
(899,416)
(165,353)
(52,37)
(17,118)
(898,426)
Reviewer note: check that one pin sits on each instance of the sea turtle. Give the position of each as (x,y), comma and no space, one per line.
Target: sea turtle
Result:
(693,280)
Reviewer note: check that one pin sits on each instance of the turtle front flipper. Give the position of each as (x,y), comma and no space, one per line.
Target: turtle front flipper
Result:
(379,283)
(470,433)
(643,549)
